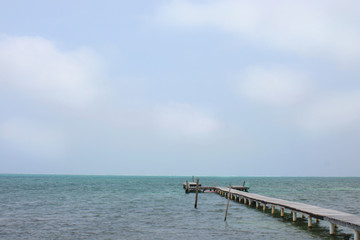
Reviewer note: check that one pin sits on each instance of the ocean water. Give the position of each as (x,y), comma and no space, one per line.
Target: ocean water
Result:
(125,207)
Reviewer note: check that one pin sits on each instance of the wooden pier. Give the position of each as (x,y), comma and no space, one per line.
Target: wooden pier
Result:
(333,217)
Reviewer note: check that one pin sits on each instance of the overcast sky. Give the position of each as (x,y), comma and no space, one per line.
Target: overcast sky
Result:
(244,88)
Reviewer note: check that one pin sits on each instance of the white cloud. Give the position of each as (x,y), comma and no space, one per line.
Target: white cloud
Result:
(184,120)
(333,113)
(274,85)
(35,66)
(329,29)
(32,138)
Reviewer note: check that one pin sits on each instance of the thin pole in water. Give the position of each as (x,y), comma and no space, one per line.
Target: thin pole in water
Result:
(227,206)
(197,192)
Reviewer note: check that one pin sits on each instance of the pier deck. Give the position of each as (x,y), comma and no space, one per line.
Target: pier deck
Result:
(332,216)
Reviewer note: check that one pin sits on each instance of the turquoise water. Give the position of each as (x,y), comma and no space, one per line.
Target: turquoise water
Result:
(122,207)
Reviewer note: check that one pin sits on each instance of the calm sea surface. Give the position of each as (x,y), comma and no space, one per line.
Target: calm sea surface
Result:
(123,207)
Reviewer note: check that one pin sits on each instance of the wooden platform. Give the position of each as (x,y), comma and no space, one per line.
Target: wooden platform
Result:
(332,216)
(190,189)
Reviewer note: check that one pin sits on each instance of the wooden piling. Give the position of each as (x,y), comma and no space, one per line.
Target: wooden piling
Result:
(309,222)
(282,212)
(332,229)
(356,235)
(272,210)
(294,216)
(227,206)
(197,192)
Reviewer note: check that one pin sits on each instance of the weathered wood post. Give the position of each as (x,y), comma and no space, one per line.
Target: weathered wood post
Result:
(309,221)
(282,212)
(332,229)
(273,210)
(356,235)
(187,186)
(227,206)
(294,216)
(197,192)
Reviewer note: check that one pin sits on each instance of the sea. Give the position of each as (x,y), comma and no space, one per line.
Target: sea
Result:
(149,207)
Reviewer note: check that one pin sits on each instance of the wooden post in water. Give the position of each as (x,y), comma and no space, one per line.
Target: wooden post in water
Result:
(282,212)
(227,206)
(187,186)
(197,192)
(332,229)
(356,235)
(309,221)
(294,216)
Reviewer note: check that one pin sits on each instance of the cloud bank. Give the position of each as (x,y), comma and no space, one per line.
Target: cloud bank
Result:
(312,28)
(37,67)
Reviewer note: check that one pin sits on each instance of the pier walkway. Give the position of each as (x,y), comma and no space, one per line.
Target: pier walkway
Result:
(332,216)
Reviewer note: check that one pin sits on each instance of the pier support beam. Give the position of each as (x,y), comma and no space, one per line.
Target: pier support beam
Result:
(294,216)
(282,212)
(227,206)
(250,203)
(356,235)
(257,204)
(272,210)
(332,229)
(309,222)
(264,207)
(197,193)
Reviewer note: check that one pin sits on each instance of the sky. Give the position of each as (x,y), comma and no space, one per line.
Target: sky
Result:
(171,87)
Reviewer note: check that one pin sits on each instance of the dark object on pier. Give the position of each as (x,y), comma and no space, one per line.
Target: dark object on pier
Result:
(191,187)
